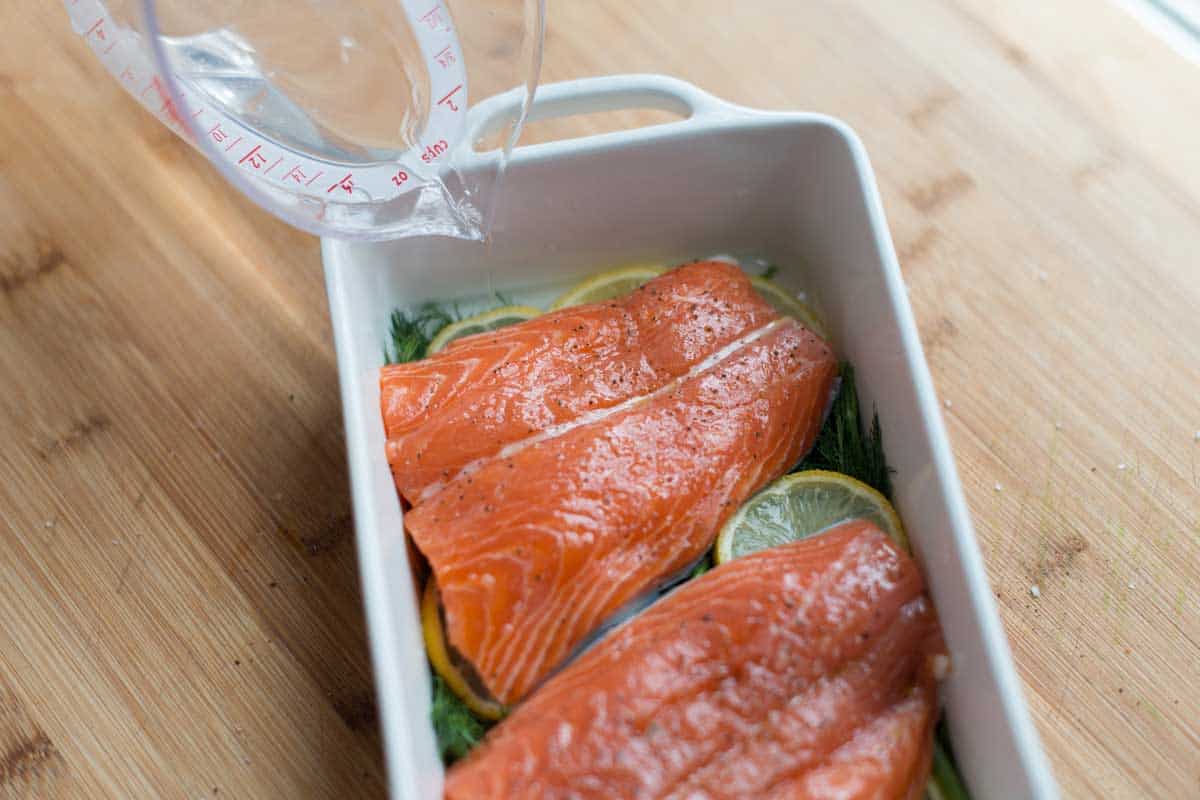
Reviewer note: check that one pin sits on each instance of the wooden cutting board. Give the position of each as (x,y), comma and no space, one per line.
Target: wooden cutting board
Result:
(179,609)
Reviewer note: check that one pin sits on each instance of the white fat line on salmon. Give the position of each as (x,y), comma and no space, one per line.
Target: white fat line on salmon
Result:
(589,417)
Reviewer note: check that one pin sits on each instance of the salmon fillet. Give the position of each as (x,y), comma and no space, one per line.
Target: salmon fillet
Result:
(803,671)
(488,390)
(535,549)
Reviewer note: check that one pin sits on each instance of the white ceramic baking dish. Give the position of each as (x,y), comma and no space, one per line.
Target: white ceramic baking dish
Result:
(795,188)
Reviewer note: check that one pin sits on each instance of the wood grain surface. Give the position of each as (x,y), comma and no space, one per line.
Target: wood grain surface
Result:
(179,609)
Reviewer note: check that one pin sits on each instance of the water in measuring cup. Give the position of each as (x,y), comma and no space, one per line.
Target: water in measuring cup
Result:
(340,81)
(345,118)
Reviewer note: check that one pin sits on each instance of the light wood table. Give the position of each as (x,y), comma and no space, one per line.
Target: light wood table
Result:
(179,609)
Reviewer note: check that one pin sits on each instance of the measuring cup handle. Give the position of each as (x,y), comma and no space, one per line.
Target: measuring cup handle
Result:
(592,95)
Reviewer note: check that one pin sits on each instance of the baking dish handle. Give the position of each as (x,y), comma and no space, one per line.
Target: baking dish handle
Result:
(592,95)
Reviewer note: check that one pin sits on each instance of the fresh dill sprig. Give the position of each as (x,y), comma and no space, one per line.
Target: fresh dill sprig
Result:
(458,730)
(410,333)
(843,445)
(770,272)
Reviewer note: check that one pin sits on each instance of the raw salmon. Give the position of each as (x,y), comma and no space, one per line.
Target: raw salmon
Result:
(536,548)
(485,391)
(803,671)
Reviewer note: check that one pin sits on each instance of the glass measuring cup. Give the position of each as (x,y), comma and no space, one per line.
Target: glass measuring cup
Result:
(346,118)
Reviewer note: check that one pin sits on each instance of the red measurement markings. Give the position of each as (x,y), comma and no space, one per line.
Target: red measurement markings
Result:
(109,49)
(295,173)
(168,103)
(346,184)
(127,75)
(253,157)
(448,100)
(433,18)
(434,150)
(445,57)
(233,144)
(400,177)
(96,30)
(217,133)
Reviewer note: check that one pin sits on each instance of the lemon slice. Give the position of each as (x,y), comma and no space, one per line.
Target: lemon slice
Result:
(801,505)
(607,285)
(789,305)
(439,656)
(482,323)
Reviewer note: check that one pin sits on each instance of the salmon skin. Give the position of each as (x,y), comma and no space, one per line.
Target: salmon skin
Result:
(490,389)
(802,671)
(535,549)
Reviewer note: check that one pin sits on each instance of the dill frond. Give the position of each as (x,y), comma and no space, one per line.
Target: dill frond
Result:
(457,729)
(409,334)
(844,446)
